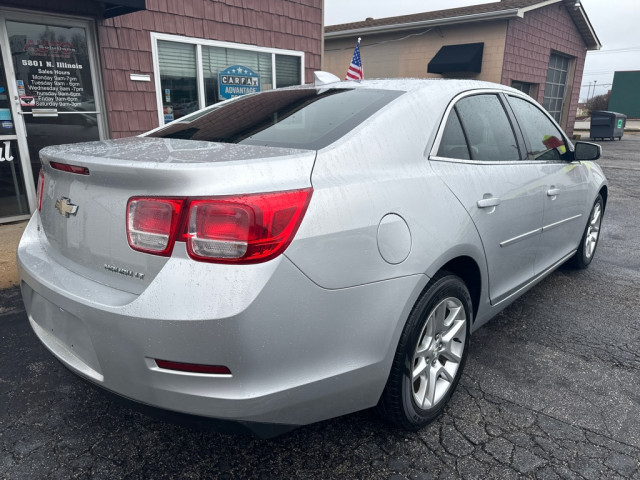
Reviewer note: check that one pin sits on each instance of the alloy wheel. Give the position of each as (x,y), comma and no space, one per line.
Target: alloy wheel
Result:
(438,352)
(593,231)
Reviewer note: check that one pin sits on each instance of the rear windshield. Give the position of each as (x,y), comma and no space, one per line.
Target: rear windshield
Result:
(306,118)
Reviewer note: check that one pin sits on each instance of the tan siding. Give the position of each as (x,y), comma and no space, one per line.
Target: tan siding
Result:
(393,55)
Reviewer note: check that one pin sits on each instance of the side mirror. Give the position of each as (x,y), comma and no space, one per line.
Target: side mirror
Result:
(587,151)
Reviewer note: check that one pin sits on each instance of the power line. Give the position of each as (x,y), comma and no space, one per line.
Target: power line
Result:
(604,72)
(614,50)
(382,42)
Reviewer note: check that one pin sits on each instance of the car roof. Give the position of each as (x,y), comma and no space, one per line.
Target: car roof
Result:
(436,87)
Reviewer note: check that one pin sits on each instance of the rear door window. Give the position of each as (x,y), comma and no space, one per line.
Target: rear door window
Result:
(304,118)
(488,130)
(453,144)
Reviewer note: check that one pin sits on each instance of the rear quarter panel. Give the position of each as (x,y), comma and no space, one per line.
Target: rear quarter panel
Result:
(377,169)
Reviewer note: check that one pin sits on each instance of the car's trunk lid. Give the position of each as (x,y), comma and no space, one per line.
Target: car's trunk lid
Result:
(91,239)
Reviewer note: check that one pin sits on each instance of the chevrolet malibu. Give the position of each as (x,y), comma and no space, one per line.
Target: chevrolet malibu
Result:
(298,254)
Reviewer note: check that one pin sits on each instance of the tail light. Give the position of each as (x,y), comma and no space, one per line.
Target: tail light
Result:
(231,229)
(40,189)
(65,167)
(152,224)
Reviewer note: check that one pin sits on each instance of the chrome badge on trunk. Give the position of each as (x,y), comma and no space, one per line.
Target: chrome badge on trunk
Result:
(123,271)
(65,207)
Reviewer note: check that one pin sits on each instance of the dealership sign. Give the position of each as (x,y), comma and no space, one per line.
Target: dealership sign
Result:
(237,80)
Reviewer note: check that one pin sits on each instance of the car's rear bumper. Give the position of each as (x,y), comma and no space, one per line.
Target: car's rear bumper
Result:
(298,353)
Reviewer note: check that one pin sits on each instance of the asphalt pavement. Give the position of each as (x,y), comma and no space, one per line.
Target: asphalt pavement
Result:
(551,390)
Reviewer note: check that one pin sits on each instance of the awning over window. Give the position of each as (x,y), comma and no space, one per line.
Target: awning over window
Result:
(113,8)
(457,58)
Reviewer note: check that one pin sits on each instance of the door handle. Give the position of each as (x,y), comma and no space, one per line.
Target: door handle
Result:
(552,192)
(488,202)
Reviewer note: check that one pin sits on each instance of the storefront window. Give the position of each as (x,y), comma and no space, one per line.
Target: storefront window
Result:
(224,72)
(287,71)
(178,79)
(13,198)
(217,59)
(52,67)
(55,88)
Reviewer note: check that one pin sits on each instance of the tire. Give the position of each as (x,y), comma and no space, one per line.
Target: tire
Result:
(589,241)
(430,356)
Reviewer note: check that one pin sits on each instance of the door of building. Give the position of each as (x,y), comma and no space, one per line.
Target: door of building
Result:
(53,87)
(14,203)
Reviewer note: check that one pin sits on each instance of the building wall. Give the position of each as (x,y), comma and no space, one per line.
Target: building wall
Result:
(625,94)
(529,43)
(393,55)
(125,45)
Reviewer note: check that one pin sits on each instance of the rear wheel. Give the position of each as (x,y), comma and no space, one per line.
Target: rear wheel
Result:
(590,237)
(430,356)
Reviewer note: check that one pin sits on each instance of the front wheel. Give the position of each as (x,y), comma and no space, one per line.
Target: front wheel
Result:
(590,237)
(430,356)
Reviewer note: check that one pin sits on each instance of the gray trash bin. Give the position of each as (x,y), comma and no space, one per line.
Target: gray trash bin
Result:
(607,125)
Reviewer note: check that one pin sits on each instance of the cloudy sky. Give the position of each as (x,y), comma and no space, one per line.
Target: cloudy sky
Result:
(616,22)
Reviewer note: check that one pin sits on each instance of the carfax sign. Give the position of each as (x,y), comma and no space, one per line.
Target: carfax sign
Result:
(237,80)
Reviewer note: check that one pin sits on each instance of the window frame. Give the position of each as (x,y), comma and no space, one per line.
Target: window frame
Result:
(570,61)
(199,43)
(532,88)
(433,152)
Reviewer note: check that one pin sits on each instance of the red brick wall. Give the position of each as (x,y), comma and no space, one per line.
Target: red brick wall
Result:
(125,45)
(529,43)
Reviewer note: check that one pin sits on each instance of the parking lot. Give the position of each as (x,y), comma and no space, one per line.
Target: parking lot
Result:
(551,390)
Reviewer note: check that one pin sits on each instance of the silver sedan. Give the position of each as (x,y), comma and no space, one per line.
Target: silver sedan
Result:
(298,254)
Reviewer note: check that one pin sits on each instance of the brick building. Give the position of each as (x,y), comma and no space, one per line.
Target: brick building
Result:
(536,46)
(79,70)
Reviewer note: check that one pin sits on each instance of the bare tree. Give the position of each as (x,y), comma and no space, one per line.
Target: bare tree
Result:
(600,102)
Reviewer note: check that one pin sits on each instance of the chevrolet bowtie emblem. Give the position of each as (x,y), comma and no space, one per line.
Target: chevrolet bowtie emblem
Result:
(65,207)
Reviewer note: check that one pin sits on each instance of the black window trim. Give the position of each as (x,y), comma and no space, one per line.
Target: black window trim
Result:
(515,126)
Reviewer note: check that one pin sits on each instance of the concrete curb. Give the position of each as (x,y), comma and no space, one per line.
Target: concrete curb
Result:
(626,130)
(585,134)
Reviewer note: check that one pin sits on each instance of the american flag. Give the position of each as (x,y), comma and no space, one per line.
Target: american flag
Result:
(355,71)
